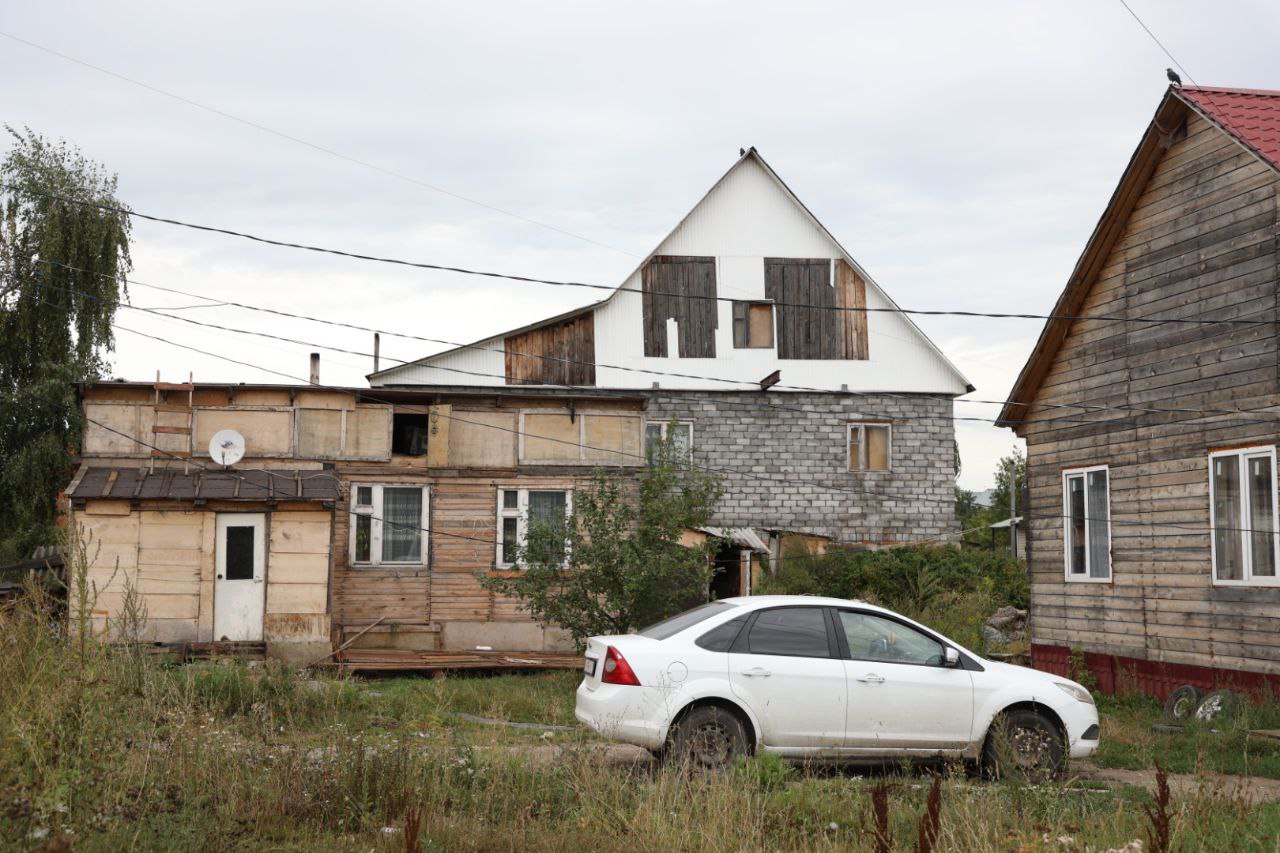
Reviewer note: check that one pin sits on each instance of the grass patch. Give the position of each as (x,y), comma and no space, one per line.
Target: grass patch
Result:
(114,750)
(1222,746)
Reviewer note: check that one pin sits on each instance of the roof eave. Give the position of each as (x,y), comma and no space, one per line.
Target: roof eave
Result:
(1105,233)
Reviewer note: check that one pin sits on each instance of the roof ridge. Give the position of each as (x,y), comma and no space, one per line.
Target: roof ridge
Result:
(1228,90)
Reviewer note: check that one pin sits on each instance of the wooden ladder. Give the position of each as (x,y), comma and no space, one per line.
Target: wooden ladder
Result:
(162,405)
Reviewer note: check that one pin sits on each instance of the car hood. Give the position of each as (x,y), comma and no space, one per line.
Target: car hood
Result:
(1027,675)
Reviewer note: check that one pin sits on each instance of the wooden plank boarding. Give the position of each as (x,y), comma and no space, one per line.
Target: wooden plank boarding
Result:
(405,660)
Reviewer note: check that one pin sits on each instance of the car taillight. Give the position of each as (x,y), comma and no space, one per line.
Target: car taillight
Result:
(617,670)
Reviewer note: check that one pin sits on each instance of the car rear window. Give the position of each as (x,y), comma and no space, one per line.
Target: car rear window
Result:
(721,637)
(689,618)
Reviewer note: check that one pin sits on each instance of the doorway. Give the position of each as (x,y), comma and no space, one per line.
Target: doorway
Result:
(239,587)
(727,572)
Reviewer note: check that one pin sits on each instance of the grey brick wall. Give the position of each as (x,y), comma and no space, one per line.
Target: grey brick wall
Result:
(794,453)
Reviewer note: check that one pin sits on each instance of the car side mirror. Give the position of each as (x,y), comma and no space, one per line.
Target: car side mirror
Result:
(950,657)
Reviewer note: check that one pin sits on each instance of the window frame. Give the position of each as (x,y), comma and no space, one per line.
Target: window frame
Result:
(1243,454)
(862,447)
(521,513)
(1083,472)
(662,433)
(742,643)
(843,638)
(745,319)
(374,511)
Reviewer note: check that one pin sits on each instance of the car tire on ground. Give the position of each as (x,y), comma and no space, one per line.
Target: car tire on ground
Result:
(1220,704)
(709,738)
(1182,703)
(1024,744)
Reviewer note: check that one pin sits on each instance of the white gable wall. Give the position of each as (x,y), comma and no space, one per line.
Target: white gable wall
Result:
(746,217)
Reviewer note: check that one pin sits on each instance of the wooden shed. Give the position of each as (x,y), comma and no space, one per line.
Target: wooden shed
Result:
(1149,408)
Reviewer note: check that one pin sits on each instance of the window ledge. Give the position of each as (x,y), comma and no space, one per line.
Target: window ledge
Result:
(1070,579)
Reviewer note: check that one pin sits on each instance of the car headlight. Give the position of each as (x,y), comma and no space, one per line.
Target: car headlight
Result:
(1075,691)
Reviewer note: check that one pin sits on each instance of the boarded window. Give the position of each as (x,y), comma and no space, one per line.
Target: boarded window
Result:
(319,433)
(814,319)
(267,432)
(581,438)
(869,447)
(752,325)
(361,433)
(682,289)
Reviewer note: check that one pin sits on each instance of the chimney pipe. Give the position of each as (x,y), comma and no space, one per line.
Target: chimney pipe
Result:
(315,368)
(377,350)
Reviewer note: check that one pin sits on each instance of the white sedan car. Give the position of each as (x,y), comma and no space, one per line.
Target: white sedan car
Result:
(826,679)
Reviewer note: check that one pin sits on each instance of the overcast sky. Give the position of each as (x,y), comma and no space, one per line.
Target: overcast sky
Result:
(962,152)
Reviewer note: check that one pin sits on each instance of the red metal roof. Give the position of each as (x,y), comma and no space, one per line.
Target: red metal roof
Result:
(1250,115)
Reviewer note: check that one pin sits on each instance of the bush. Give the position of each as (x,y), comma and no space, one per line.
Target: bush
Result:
(948,588)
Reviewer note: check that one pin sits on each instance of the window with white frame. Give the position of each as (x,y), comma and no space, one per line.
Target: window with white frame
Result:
(1242,504)
(680,433)
(388,525)
(869,446)
(1086,511)
(518,508)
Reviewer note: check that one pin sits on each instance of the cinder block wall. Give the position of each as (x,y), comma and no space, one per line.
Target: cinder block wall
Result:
(796,449)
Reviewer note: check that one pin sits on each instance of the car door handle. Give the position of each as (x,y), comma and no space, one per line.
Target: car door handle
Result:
(757,672)
(872,678)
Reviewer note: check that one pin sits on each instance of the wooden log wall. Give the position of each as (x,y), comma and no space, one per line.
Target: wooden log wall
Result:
(1200,242)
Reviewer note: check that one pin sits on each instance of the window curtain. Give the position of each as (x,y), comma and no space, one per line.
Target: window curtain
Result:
(401,525)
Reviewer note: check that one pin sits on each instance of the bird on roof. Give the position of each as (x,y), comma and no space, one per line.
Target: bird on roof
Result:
(742,152)
(1173,76)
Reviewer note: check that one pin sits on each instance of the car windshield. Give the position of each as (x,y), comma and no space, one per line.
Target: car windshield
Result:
(676,624)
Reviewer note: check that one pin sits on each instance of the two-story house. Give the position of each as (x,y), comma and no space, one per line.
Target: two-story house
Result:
(1149,407)
(782,363)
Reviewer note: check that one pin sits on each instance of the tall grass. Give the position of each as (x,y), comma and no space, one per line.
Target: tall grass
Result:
(114,749)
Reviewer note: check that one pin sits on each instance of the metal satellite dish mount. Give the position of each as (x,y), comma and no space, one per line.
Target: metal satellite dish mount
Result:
(226,447)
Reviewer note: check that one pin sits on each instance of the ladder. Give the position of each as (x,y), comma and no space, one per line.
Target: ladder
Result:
(164,404)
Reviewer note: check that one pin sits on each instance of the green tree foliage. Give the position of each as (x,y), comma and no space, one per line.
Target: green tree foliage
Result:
(615,563)
(974,519)
(62,274)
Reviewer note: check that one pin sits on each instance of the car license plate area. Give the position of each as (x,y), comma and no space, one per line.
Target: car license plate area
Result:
(589,666)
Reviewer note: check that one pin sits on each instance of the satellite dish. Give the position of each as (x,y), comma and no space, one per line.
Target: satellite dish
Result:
(226,447)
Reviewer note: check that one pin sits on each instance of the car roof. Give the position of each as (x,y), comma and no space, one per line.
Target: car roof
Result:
(755,602)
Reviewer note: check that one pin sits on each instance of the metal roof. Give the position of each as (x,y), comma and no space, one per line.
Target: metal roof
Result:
(248,485)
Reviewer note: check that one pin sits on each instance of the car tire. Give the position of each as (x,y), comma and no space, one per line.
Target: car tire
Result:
(1024,744)
(1218,705)
(1182,703)
(707,739)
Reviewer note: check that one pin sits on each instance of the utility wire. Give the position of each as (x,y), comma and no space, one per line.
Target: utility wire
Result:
(873,416)
(1159,43)
(1090,407)
(314,146)
(622,289)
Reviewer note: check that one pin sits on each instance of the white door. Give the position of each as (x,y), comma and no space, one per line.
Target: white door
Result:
(901,695)
(787,673)
(239,590)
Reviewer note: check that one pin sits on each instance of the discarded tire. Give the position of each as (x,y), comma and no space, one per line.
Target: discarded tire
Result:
(1220,704)
(1182,703)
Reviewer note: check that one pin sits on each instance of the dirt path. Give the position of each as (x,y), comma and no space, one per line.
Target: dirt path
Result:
(1253,788)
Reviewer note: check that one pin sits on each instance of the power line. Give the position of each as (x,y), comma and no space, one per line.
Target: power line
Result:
(314,146)
(1194,321)
(1159,43)
(1090,407)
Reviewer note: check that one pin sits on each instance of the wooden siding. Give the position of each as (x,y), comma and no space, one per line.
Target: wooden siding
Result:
(1199,242)
(560,353)
(681,289)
